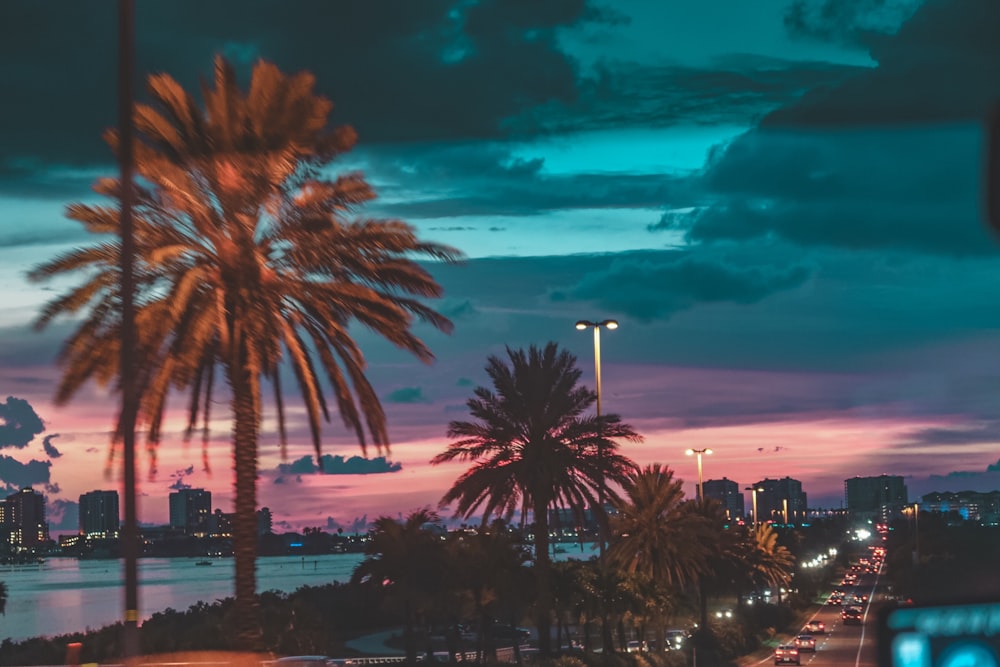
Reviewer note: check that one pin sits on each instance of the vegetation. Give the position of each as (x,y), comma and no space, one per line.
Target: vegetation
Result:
(246,260)
(533,449)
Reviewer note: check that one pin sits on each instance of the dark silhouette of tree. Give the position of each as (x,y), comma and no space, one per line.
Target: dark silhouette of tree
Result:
(246,260)
(658,536)
(533,449)
(409,562)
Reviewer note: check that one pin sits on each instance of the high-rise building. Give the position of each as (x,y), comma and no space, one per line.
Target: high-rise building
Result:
(22,519)
(780,501)
(727,492)
(881,498)
(190,510)
(99,516)
(264,521)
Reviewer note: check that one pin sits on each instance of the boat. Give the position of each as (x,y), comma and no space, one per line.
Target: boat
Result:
(204,562)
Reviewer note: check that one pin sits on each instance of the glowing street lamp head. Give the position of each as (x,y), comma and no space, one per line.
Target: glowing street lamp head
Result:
(587,324)
(692,452)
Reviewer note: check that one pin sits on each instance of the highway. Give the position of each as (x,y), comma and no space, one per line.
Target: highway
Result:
(846,645)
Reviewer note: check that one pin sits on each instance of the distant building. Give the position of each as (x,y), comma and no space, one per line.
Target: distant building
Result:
(264,522)
(780,500)
(973,506)
(190,510)
(878,498)
(22,519)
(99,516)
(727,492)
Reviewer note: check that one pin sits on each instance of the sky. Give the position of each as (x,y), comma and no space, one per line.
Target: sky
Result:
(781,202)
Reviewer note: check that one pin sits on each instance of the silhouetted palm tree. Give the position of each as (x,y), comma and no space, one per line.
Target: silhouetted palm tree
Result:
(659,536)
(533,449)
(654,531)
(770,563)
(409,562)
(245,258)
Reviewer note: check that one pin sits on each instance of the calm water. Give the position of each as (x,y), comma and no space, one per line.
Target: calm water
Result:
(67,595)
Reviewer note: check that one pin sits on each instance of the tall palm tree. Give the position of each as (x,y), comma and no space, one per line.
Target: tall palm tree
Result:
(533,449)
(657,534)
(408,560)
(246,259)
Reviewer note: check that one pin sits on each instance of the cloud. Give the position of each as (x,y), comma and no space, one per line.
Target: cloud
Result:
(649,289)
(19,424)
(49,448)
(856,188)
(972,434)
(18,475)
(178,476)
(852,22)
(942,65)
(338,465)
(407,395)
(431,70)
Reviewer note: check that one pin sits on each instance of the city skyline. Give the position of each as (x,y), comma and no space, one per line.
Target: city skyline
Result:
(781,204)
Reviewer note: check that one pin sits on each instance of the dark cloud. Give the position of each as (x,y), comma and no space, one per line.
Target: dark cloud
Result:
(398,70)
(971,434)
(50,449)
(18,475)
(63,515)
(734,89)
(852,189)
(179,476)
(852,22)
(942,65)
(407,395)
(339,465)
(19,424)
(647,290)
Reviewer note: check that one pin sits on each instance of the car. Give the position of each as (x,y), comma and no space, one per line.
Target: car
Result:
(816,627)
(787,654)
(675,639)
(636,646)
(805,643)
(836,599)
(851,615)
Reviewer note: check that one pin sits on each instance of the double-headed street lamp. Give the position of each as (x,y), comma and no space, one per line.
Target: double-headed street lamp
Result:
(698,453)
(596,326)
(753,492)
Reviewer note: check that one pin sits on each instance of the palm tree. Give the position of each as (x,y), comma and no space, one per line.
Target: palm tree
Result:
(245,258)
(656,533)
(658,536)
(3,598)
(408,560)
(533,449)
(771,564)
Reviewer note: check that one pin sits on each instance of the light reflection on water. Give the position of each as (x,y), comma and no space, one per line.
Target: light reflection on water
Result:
(66,595)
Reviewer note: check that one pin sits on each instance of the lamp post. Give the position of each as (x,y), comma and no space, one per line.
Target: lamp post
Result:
(698,453)
(596,326)
(753,493)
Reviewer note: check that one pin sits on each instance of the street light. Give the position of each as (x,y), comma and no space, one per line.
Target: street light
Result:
(753,492)
(698,453)
(596,326)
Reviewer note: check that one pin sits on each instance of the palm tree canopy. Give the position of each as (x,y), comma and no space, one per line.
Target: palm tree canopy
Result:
(657,533)
(246,254)
(531,444)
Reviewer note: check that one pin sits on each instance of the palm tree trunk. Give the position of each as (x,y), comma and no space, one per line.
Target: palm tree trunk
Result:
(542,567)
(245,424)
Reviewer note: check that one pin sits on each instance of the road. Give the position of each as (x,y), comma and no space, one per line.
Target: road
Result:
(848,645)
